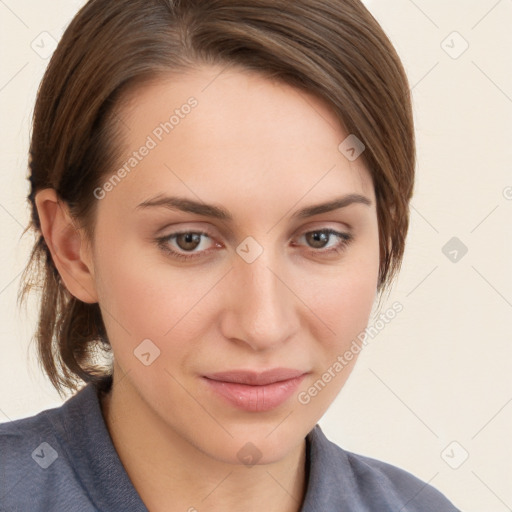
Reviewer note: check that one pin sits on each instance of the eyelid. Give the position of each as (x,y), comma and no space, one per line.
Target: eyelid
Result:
(320,225)
(163,242)
(206,229)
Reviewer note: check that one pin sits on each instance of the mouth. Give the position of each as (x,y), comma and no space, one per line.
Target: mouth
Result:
(253,378)
(255,391)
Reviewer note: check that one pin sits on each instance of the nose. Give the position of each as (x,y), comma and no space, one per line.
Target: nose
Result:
(261,310)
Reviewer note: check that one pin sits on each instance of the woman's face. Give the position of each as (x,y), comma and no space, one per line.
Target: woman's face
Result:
(262,288)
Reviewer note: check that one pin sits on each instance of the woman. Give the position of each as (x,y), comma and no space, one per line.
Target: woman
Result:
(220,190)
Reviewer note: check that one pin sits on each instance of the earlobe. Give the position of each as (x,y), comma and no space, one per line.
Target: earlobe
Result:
(64,240)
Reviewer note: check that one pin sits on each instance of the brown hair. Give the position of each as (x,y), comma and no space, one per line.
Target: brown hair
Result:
(334,49)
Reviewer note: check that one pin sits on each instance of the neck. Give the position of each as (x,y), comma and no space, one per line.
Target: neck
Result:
(169,473)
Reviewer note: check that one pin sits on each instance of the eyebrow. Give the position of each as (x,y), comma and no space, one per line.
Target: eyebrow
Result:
(210,210)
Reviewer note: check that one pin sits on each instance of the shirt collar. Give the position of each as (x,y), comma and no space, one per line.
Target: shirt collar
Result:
(93,455)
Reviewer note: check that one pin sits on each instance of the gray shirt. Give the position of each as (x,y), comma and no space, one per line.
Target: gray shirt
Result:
(63,459)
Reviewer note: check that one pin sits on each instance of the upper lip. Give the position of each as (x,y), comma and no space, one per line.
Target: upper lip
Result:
(254,378)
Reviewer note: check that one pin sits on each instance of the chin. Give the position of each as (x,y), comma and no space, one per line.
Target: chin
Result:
(258,443)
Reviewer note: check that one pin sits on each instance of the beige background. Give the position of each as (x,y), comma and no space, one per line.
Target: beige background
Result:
(435,384)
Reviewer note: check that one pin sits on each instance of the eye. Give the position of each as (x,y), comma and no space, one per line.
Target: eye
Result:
(319,237)
(188,241)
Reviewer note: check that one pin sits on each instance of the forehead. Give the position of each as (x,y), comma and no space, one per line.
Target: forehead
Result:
(213,131)
(243,96)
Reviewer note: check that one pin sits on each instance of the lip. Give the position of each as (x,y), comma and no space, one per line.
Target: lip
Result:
(254,378)
(255,391)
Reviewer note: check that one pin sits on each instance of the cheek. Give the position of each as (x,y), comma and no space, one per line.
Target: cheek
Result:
(344,306)
(143,297)
(343,299)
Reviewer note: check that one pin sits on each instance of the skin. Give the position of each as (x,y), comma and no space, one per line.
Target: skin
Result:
(261,150)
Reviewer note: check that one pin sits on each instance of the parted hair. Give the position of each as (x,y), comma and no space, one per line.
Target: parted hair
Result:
(334,49)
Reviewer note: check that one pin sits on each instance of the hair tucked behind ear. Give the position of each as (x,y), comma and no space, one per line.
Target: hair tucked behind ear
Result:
(73,322)
(332,48)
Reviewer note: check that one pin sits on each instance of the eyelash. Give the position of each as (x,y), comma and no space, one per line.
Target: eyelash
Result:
(346,239)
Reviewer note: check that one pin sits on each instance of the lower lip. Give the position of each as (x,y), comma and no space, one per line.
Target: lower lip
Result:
(256,398)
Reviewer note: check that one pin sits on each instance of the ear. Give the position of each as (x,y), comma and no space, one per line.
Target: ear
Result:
(67,245)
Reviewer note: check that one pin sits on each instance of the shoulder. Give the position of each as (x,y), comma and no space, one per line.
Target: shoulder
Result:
(371,484)
(36,472)
(20,439)
(397,485)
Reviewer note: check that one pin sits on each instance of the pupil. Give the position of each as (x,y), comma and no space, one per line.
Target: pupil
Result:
(191,238)
(319,236)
